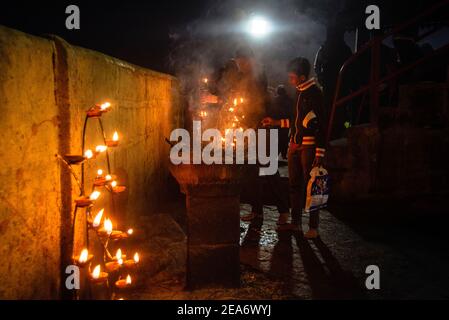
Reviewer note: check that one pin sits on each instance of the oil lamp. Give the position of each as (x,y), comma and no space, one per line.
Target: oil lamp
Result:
(131,263)
(115,265)
(83,259)
(97,276)
(116,188)
(87,201)
(107,227)
(123,283)
(100,179)
(98,110)
(74,158)
(114,141)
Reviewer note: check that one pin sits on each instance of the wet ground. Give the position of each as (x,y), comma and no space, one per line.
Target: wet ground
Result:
(406,239)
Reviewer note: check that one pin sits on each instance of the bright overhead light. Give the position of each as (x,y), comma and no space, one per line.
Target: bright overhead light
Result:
(259,26)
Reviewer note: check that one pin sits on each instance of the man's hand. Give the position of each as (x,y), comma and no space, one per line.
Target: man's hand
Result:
(270,122)
(208,98)
(318,162)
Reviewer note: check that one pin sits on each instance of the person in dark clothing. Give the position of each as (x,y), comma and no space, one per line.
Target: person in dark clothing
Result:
(328,61)
(252,82)
(307,139)
(282,108)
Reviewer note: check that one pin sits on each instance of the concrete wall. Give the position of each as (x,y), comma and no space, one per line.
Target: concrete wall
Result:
(46,86)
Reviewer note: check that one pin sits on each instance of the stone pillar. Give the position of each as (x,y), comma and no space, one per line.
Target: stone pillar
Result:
(213,228)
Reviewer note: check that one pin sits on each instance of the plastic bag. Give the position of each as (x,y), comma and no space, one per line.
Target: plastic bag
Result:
(317,190)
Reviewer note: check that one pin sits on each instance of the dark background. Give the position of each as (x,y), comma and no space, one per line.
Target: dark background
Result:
(139,31)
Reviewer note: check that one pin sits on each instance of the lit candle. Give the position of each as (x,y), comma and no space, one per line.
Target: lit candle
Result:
(130,231)
(235,102)
(114,141)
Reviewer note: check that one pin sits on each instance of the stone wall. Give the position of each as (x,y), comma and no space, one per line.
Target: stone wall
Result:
(46,85)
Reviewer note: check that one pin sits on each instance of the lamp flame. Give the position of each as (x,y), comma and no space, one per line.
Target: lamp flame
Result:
(94,195)
(136,257)
(130,231)
(115,136)
(128,279)
(97,219)
(83,256)
(108,226)
(118,256)
(101,148)
(96,272)
(108,177)
(100,172)
(88,154)
(105,106)
(114,184)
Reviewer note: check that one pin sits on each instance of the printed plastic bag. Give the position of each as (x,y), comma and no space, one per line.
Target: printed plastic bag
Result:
(317,190)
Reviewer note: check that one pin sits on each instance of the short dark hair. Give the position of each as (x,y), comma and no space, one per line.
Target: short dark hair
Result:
(300,66)
(244,52)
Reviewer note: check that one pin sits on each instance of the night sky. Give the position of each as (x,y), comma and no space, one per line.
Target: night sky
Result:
(139,31)
(135,31)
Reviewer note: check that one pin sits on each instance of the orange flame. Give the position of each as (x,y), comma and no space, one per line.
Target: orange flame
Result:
(83,256)
(96,272)
(88,154)
(105,106)
(94,195)
(97,219)
(101,148)
(107,226)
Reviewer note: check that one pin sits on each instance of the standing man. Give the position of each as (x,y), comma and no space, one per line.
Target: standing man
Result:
(252,82)
(307,142)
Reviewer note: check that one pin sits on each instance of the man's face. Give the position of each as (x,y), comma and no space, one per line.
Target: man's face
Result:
(294,79)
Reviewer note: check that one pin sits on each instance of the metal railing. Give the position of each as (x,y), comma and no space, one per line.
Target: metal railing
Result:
(375,81)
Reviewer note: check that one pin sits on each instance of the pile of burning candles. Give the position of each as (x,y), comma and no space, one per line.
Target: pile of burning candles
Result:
(115,270)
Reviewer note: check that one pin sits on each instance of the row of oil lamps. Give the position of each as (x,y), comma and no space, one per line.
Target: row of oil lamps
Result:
(106,231)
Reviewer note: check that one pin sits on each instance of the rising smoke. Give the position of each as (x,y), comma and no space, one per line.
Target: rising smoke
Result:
(202,46)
